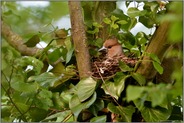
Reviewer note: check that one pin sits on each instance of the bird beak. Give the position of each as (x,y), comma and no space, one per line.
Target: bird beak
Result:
(103,48)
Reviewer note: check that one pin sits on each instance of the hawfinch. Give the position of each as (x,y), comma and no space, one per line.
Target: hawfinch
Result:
(113,48)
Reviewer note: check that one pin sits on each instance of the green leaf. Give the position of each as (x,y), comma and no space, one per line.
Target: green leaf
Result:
(85,88)
(60,115)
(133,12)
(114,18)
(155,58)
(114,26)
(107,20)
(46,79)
(24,87)
(139,78)
(134,92)
(156,114)
(99,119)
(33,41)
(55,55)
(124,67)
(76,106)
(122,22)
(158,67)
(97,106)
(43,99)
(69,55)
(147,21)
(125,112)
(115,88)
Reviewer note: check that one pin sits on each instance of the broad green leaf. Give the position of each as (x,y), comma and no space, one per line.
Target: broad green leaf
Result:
(156,114)
(55,55)
(124,67)
(107,20)
(125,112)
(85,88)
(97,106)
(24,87)
(37,114)
(43,99)
(115,88)
(28,60)
(46,79)
(134,92)
(147,21)
(69,55)
(155,58)
(22,107)
(114,18)
(158,67)
(99,119)
(59,115)
(133,12)
(32,41)
(76,106)
(139,78)
(114,26)
(110,89)
(122,22)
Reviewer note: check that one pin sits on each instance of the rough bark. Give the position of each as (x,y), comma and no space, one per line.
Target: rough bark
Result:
(158,46)
(104,10)
(16,41)
(79,39)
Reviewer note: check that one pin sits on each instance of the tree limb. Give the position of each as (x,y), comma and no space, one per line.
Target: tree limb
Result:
(158,46)
(16,41)
(79,39)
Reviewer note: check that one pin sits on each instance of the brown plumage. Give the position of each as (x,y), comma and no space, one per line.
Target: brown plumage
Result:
(113,48)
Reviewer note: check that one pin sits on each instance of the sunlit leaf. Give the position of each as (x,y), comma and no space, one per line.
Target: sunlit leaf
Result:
(107,20)
(134,92)
(155,58)
(158,67)
(86,88)
(122,22)
(46,79)
(60,115)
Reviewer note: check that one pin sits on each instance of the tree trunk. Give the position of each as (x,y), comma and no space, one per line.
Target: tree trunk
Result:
(79,39)
(104,10)
(158,46)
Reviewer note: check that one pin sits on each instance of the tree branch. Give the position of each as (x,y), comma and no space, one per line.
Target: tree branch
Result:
(16,41)
(79,39)
(158,46)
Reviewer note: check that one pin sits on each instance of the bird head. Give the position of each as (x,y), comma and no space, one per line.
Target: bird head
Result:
(113,47)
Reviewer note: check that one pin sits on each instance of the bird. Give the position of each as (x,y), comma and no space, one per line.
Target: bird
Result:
(113,47)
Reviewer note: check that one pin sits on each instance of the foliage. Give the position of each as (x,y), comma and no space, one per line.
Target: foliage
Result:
(47,88)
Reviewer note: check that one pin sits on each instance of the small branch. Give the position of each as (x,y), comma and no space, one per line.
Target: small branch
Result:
(16,41)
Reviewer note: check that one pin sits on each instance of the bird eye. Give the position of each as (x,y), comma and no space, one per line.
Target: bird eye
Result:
(109,47)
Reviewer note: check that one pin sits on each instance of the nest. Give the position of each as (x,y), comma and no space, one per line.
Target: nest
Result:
(107,67)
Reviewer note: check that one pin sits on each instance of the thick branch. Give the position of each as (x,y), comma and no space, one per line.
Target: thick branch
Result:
(79,39)
(158,46)
(16,41)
